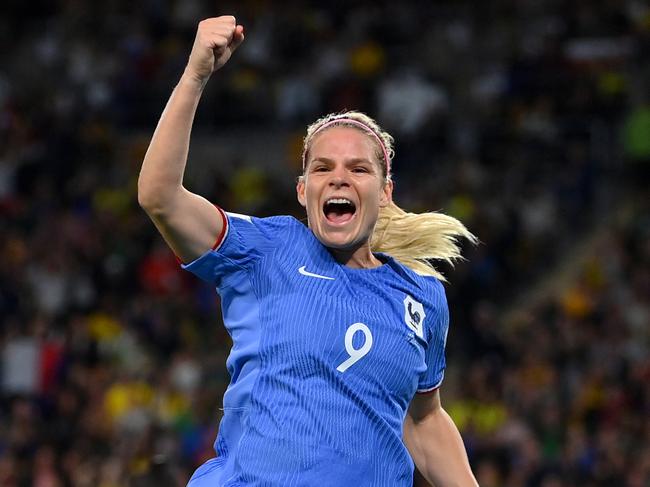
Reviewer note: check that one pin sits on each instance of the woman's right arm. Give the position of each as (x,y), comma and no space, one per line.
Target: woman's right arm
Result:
(188,222)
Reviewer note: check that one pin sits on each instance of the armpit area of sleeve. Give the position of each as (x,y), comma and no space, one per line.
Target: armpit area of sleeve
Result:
(204,267)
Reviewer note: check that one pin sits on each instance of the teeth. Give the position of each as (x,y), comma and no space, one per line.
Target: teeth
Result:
(338,201)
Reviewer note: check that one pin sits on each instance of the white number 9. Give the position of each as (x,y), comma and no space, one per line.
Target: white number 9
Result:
(356,354)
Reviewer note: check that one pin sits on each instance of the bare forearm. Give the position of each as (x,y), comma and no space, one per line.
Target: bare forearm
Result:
(162,171)
(161,177)
(189,223)
(438,451)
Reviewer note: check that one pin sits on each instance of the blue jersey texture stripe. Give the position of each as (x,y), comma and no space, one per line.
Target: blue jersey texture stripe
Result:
(322,370)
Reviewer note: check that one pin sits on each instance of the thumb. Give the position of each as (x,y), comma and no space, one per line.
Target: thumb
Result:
(237,38)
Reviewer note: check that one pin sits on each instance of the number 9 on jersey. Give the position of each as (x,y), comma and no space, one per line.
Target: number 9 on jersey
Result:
(356,354)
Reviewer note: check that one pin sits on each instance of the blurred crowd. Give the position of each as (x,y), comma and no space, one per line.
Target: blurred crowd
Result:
(559,395)
(528,120)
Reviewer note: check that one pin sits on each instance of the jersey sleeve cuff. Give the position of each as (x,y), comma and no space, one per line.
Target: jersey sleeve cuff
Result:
(428,390)
(224,229)
(220,238)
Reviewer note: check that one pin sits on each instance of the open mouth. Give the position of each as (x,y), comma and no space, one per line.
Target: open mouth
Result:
(339,210)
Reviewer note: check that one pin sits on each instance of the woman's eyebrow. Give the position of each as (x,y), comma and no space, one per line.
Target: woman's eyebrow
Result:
(357,160)
(323,159)
(354,160)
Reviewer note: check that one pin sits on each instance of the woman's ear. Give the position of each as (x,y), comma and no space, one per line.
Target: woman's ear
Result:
(386,195)
(300,191)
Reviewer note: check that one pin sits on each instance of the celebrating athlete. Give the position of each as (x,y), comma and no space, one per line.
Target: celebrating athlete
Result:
(338,327)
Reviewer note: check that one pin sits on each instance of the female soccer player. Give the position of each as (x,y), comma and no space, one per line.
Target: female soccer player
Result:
(331,338)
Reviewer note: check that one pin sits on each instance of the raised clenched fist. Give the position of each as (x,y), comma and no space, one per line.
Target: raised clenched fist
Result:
(216,40)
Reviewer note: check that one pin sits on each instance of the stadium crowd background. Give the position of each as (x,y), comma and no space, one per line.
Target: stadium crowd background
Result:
(528,120)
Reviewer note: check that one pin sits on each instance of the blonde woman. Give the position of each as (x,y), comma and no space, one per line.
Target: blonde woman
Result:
(338,327)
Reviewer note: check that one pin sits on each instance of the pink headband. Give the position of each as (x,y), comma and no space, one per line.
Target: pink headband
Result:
(358,124)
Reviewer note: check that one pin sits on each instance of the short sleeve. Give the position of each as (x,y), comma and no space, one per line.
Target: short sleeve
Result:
(246,240)
(437,330)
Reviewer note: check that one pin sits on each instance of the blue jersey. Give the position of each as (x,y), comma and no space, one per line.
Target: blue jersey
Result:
(324,363)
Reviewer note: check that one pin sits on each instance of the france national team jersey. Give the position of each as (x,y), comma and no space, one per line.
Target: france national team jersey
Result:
(324,363)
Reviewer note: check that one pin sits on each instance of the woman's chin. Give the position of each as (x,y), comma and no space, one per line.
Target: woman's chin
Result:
(339,239)
(342,236)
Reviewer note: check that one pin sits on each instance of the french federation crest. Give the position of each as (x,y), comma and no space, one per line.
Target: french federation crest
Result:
(414,315)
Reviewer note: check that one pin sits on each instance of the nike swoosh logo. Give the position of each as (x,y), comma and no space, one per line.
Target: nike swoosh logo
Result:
(311,274)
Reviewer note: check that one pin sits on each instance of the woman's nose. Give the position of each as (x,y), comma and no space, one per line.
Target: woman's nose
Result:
(339,178)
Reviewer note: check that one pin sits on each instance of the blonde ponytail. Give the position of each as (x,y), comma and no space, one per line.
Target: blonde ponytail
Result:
(413,239)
